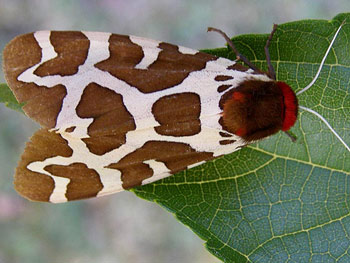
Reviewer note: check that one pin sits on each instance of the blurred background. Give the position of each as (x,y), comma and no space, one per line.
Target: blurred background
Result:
(118,228)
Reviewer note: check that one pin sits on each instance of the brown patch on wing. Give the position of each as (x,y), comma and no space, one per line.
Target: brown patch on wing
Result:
(240,67)
(170,68)
(225,142)
(43,144)
(222,88)
(224,134)
(178,114)
(124,56)
(176,157)
(70,129)
(84,182)
(42,104)
(111,118)
(44,107)
(71,48)
(20,54)
(223,78)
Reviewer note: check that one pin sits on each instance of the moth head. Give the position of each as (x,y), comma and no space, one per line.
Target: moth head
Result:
(257,109)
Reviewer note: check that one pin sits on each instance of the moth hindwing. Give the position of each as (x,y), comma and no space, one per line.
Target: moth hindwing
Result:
(121,111)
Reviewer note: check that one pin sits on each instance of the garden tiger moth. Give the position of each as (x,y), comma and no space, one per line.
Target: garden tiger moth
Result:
(121,111)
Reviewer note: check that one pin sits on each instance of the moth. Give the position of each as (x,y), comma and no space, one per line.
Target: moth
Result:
(121,111)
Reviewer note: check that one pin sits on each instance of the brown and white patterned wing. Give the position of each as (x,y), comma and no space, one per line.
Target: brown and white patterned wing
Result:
(57,168)
(51,70)
(122,111)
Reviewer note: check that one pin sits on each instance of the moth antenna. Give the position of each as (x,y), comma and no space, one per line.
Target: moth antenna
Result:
(233,47)
(322,62)
(271,71)
(328,125)
(314,80)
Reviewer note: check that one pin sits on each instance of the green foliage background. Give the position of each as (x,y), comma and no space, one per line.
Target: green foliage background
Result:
(279,201)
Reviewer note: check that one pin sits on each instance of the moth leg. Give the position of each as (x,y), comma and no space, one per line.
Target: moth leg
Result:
(291,136)
(271,71)
(232,46)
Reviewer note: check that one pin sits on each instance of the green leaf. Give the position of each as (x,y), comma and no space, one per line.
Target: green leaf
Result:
(7,97)
(277,201)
